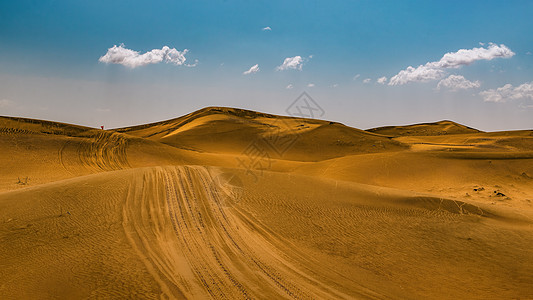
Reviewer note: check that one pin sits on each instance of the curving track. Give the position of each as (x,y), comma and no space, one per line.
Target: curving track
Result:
(197,246)
(105,151)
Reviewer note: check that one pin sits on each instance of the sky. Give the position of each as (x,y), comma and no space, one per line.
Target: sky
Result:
(365,63)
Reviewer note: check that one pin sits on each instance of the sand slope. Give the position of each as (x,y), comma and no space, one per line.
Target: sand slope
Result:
(425,129)
(229,130)
(166,210)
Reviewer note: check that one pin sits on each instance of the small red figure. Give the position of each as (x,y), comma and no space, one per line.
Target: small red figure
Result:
(102,127)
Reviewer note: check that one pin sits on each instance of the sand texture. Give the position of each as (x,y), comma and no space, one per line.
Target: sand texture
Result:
(227,203)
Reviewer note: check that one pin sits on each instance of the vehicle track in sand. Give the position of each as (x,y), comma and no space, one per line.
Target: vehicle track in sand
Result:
(105,151)
(196,246)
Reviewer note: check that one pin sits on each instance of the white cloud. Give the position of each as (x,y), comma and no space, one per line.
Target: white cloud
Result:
(4,103)
(356,76)
(452,60)
(253,69)
(290,86)
(367,80)
(382,80)
(294,63)
(335,85)
(421,74)
(311,85)
(266,28)
(458,82)
(528,53)
(132,59)
(508,92)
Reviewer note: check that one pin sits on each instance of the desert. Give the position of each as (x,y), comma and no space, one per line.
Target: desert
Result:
(266,149)
(168,210)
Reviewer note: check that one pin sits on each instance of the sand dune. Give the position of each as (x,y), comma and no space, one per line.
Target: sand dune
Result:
(425,129)
(229,130)
(168,210)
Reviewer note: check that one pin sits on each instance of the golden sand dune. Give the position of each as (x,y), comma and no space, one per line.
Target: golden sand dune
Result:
(168,210)
(425,129)
(230,130)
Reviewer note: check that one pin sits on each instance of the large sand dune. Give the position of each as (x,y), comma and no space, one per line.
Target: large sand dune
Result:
(169,210)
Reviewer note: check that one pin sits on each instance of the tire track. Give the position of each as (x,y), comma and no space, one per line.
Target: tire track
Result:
(106,152)
(103,151)
(246,252)
(196,246)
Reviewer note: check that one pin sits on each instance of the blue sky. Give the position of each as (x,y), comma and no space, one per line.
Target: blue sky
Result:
(50,68)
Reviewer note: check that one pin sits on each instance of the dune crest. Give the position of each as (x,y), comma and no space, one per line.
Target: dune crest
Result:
(425,129)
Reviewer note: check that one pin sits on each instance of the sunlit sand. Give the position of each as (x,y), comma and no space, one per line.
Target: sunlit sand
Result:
(226,203)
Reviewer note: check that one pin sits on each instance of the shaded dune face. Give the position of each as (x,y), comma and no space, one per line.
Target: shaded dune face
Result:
(426,129)
(225,130)
(165,210)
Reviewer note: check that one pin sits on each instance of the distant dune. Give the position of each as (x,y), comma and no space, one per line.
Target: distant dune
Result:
(425,129)
(227,203)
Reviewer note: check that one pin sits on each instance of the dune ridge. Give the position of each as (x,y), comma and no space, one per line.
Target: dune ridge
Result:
(444,127)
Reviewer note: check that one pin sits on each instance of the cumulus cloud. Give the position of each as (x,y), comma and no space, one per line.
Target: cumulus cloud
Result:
(356,76)
(311,85)
(458,82)
(290,86)
(294,63)
(420,74)
(132,59)
(509,92)
(382,80)
(266,28)
(367,80)
(452,60)
(253,69)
